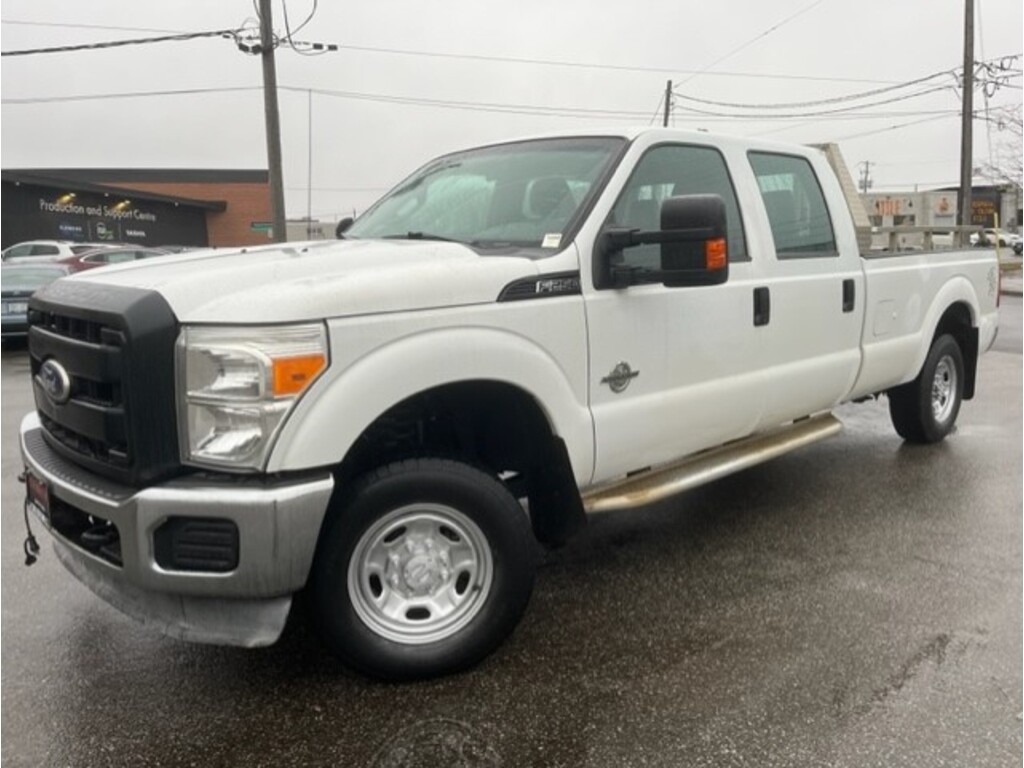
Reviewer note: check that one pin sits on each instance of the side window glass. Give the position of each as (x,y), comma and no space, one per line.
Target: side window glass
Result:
(45,250)
(671,171)
(799,218)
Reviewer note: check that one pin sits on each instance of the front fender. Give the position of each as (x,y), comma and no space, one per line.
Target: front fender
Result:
(336,411)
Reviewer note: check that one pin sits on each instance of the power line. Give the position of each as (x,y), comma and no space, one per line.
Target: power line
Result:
(129,95)
(289,32)
(822,113)
(817,102)
(998,81)
(657,111)
(479,57)
(896,127)
(70,25)
(488,58)
(503,108)
(229,33)
(753,40)
(480,106)
(579,64)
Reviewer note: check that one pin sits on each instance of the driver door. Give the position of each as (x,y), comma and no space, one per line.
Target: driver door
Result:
(670,367)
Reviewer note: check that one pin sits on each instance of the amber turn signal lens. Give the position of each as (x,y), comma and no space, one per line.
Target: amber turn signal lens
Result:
(715,255)
(292,374)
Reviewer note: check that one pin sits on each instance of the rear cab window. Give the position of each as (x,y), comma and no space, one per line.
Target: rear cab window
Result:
(795,204)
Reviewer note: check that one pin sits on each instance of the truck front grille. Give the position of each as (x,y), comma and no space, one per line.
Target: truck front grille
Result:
(92,421)
(113,408)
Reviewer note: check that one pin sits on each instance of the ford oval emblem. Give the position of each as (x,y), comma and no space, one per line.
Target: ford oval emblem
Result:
(55,381)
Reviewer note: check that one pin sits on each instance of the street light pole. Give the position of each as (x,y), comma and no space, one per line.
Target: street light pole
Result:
(273,123)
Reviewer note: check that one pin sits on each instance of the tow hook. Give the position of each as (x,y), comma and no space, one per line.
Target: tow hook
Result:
(31,546)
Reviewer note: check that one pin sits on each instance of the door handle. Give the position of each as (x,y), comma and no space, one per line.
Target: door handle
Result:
(762,306)
(849,295)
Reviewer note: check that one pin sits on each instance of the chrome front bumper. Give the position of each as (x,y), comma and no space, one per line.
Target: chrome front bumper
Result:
(278,525)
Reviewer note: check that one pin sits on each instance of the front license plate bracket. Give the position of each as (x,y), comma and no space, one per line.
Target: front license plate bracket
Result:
(38,494)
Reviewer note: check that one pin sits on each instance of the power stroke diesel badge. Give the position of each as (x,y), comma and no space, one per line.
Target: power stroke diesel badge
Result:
(55,381)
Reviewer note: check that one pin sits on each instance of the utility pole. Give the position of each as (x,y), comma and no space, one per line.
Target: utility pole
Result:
(966,121)
(865,177)
(668,103)
(273,122)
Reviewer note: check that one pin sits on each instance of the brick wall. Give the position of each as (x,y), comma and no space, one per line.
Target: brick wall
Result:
(246,203)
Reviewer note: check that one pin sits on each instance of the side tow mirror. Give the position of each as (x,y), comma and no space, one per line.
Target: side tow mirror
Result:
(342,228)
(700,255)
(693,247)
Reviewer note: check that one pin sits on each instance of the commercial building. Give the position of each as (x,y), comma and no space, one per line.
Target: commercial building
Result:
(991,206)
(147,206)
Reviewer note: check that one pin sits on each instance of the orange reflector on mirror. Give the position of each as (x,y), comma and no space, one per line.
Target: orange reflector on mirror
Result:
(292,374)
(715,254)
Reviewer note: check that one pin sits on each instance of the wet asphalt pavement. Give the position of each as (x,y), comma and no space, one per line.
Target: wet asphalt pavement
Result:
(856,603)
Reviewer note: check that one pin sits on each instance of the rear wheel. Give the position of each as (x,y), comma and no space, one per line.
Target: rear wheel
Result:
(426,569)
(925,409)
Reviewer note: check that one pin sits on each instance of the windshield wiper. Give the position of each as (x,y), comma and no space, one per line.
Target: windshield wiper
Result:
(424,236)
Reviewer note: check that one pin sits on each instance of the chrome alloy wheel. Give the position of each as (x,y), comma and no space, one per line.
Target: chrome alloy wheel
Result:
(420,573)
(944,386)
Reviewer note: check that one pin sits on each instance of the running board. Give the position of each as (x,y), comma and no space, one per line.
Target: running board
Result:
(660,483)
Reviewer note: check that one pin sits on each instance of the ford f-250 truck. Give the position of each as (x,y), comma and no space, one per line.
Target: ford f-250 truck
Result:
(515,336)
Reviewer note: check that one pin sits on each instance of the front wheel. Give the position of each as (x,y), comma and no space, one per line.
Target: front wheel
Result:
(925,409)
(427,567)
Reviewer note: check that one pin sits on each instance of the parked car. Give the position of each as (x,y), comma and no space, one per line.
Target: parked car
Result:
(101,257)
(999,237)
(46,250)
(19,281)
(182,248)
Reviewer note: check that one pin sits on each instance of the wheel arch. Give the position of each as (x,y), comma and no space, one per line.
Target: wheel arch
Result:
(507,406)
(954,310)
(493,425)
(958,322)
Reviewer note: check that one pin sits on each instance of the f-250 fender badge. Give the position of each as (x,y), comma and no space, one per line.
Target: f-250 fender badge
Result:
(620,377)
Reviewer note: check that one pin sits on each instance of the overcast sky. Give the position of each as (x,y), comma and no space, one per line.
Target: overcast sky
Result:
(501,70)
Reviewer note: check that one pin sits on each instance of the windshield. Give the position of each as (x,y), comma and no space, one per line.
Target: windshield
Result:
(528,194)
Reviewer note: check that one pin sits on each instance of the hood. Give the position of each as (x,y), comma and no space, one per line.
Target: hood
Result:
(312,281)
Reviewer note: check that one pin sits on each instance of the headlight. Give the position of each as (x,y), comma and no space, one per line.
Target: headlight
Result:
(236,385)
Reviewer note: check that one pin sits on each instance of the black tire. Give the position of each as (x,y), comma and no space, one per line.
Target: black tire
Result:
(425,569)
(925,409)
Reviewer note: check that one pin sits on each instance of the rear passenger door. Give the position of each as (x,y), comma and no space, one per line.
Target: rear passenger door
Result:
(811,301)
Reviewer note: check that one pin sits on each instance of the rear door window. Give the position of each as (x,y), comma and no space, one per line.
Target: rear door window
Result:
(799,218)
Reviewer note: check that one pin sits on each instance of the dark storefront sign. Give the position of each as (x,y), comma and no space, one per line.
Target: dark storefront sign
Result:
(984,208)
(38,212)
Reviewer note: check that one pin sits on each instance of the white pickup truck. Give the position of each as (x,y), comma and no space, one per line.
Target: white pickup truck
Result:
(515,336)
